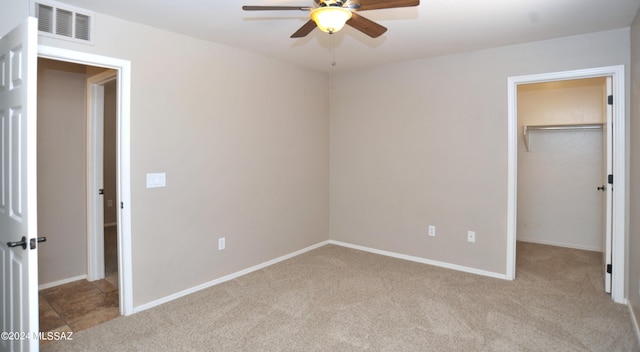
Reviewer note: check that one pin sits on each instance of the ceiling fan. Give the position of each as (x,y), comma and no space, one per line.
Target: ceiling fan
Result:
(331,15)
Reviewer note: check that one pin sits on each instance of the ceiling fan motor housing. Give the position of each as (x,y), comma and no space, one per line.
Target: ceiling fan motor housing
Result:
(333,3)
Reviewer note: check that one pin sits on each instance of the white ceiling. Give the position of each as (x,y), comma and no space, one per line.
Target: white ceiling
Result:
(435,27)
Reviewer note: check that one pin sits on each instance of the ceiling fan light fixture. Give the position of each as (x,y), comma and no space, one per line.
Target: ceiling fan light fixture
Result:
(330,19)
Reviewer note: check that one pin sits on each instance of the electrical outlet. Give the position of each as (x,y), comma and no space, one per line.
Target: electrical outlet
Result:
(221,243)
(432,231)
(471,236)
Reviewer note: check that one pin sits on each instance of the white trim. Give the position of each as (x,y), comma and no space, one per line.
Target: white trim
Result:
(123,182)
(125,262)
(61,282)
(512,178)
(237,274)
(95,146)
(226,278)
(619,166)
(445,265)
(561,244)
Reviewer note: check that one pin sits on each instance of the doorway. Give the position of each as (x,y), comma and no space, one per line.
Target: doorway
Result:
(560,163)
(101,195)
(109,201)
(619,150)
(71,299)
(123,147)
(563,150)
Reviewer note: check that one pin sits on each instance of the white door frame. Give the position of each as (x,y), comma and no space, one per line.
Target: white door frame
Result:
(607,169)
(619,166)
(95,176)
(123,168)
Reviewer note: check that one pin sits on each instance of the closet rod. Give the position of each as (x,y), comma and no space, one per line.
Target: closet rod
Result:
(571,127)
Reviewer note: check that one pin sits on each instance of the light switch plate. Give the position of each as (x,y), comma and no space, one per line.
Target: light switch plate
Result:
(155,180)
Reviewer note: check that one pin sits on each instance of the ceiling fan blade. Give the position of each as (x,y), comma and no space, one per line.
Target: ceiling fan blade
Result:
(366,26)
(304,30)
(275,8)
(386,4)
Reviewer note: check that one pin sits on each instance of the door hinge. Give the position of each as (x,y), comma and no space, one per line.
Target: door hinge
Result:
(121,205)
(609,268)
(610,179)
(610,100)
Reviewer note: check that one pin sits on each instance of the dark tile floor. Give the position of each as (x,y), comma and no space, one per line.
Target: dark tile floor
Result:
(78,305)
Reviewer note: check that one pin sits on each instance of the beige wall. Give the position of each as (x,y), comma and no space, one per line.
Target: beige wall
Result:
(12,13)
(634,211)
(558,203)
(243,140)
(62,215)
(425,142)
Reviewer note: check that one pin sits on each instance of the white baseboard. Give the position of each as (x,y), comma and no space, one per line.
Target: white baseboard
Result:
(232,276)
(61,282)
(561,244)
(465,269)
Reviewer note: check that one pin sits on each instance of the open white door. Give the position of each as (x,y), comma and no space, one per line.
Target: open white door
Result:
(607,139)
(18,217)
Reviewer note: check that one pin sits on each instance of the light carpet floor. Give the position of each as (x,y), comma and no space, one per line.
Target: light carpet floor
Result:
(340,299)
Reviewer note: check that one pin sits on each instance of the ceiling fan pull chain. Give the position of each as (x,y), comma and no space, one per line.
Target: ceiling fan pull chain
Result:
(333,50)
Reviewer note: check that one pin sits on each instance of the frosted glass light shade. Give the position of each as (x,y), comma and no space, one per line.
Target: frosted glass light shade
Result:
(330,19)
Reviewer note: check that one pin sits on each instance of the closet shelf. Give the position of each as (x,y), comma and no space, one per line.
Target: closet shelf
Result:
(567,127)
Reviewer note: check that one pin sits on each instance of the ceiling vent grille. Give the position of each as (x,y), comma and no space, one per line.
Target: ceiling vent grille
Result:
(64,22)
(45,18)
(83,26)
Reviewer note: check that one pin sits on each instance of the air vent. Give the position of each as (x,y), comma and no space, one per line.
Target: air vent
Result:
(63,22)
(83,24)
(45,18)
